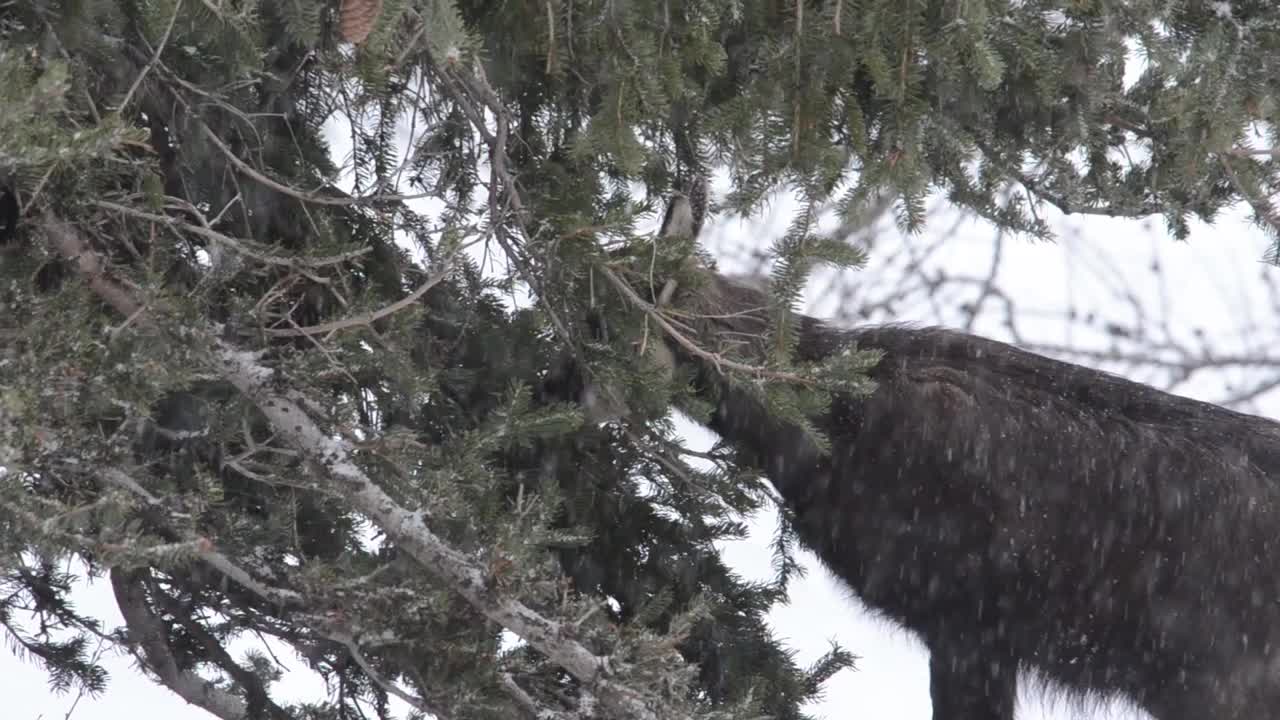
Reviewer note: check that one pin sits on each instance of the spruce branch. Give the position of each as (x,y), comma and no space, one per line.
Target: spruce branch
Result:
(278,596)
(155,57)
(324,196)
(146,634)
(200,548)
(391,688)
(473,95)
(524,701)
(1261,205)
(1246,152)
(254,687)
(1068,205)
(339,471)
(282,597)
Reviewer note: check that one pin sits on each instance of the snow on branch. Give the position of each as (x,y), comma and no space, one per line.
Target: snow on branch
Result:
(410,533)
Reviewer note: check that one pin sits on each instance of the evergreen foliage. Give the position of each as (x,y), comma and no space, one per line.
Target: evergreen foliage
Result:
(186,270)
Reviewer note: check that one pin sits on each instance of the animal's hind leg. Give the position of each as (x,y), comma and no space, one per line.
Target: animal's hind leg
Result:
(968,681)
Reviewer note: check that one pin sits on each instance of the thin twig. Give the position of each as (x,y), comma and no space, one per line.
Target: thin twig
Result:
(237,245)
(366,319)
(316,198)
(417,703)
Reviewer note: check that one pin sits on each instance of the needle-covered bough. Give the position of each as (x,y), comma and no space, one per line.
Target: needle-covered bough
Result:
(1016,512)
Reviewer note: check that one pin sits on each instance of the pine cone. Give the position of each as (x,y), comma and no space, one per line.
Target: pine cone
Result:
(358,18)
(698,197)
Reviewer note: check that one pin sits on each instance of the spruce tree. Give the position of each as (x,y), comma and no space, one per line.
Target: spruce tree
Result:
(263,387)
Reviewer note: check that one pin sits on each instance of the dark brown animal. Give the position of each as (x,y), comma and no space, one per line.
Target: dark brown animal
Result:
(1020,513)
(9,215)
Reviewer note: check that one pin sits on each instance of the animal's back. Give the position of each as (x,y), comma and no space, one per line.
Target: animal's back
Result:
(1019,511)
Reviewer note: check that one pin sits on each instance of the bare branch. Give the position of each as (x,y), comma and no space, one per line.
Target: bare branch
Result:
(239,246)
(530,706)
(366,319)
(68,243)
(320,197)
(1255,152)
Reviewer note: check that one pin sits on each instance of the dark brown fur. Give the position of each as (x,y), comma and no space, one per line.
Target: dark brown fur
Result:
(1019,513)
